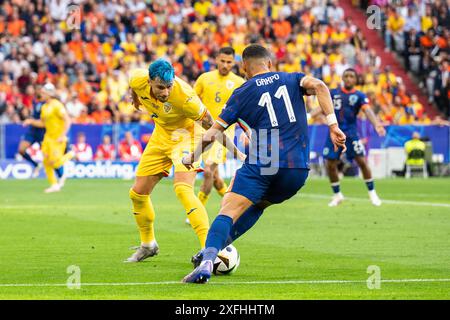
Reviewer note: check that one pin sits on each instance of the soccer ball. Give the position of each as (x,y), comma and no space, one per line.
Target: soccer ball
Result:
(226,261)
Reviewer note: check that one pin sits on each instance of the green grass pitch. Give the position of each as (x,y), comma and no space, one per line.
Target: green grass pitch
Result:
(300,249)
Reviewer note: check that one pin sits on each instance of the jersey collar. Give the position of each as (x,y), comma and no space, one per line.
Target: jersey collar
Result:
(348,91)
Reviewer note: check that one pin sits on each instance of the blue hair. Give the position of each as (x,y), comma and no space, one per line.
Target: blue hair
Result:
(162,69)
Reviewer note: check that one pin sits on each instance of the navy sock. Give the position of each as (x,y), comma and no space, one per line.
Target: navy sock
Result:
(336,187)
(59,171)
(244,223)
(370,184)
(217,236)
(27,157)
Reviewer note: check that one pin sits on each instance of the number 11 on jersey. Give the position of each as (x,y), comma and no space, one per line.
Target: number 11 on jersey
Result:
(266,101)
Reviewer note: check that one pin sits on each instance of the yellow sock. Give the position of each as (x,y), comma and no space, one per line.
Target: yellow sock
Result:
(50,172)
(195,210)
(222,190)
(144,214)
(203,197)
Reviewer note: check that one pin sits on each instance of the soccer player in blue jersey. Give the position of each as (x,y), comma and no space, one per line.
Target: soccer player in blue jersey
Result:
(270,105)
(347,103)
(33,135)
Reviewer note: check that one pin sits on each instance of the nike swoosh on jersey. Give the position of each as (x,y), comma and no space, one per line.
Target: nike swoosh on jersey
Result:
(190,211)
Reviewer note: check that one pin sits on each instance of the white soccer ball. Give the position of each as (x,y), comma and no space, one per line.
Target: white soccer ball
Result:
(226,261)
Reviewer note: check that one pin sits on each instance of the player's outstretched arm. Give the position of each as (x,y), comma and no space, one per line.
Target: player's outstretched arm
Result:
(379,128)
(208,123)
(206,142)
(326,105)
(134,97)
(38,123)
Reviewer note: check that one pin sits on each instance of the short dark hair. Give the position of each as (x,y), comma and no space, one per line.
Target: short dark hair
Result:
(351,70)
(227,51)
(255,51)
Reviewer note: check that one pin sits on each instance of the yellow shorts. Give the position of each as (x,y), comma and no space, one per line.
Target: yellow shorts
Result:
(218,153)
(160,155)
(53,151)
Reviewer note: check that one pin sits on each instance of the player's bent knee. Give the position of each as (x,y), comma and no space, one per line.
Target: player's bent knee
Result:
(234,205)
(182,188)
(263,204)
(208,174)
(137,197)
(331,164)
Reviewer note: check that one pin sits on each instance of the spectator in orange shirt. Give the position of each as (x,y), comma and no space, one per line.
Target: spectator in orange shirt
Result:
(84,117)
(427,40)
(83,89)
(76,46)
(403,95)
(16,25)
(100,114)
(282,28)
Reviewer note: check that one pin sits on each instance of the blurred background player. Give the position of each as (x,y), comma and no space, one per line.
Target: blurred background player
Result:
(214,88)
(347,103)
(82,149)
(175,107)
(33,135)
(270,103)
(106,151)
(56,122)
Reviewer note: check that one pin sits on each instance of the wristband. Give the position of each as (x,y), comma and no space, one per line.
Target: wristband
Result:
(331,119)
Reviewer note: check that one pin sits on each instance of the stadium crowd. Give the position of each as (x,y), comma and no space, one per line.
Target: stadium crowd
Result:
(88,58)
(419,32)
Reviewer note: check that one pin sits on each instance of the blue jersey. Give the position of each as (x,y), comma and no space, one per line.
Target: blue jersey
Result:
(346,106)
(37,106)
(35,134)
(271,107)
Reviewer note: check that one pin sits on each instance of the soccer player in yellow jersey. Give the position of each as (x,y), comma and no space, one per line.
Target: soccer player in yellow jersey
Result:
(175,107)
(214,88)
(56,122)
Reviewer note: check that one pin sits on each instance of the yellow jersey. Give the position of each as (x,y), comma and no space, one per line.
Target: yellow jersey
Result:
(52,114)
(178,113)
(215,90)
(415,151)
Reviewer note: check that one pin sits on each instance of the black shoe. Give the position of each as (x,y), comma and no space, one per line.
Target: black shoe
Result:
(197,258)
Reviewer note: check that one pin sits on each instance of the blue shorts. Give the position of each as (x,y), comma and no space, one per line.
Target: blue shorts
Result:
(354,149)
(34,135)
(276,188)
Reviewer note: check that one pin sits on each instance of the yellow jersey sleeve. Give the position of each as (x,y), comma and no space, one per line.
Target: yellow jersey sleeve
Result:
(198,86)
(193,108)
(138,79)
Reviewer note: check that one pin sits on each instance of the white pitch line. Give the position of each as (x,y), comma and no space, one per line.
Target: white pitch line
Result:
(414,203)
(125,284)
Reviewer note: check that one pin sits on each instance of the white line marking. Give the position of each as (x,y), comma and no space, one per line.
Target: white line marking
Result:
(413,203)
(125,284)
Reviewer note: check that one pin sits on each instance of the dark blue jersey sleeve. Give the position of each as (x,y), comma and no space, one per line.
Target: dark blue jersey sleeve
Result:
(231,111)
(363,99)
(299,77)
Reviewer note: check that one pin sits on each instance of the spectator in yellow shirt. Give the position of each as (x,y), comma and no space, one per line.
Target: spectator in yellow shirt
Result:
(202,6)
(394,29)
